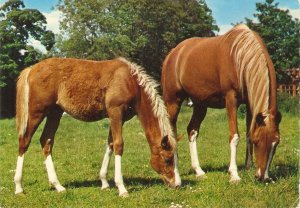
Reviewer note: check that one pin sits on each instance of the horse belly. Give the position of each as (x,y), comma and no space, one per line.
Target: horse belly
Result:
(83,104)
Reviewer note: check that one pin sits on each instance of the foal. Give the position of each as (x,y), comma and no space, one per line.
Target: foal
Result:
(90,91)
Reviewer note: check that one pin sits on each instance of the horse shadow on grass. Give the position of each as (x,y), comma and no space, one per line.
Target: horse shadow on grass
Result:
(132,183)
(277,171)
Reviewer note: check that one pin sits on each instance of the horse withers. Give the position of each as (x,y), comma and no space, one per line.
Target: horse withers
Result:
(90,91)
(223,72)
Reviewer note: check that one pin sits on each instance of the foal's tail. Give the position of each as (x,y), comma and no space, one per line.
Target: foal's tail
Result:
(22,102)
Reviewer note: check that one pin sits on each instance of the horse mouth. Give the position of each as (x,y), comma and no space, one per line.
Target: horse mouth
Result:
(169,182)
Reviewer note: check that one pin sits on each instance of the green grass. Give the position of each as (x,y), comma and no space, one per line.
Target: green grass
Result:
(79,149)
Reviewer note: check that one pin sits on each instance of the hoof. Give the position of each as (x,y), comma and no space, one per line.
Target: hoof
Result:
(60,189)
(104,188)
(235,180)
(201,176)
(20,194)
(124,195)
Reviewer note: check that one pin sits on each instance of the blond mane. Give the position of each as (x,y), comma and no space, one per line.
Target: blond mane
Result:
(252,69)
(158,106)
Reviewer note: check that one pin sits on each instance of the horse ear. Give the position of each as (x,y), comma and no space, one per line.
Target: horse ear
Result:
(260,119)
(278,118)
(165,144)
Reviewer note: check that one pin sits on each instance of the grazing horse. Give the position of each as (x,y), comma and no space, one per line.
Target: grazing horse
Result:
(90,91)
(223,72)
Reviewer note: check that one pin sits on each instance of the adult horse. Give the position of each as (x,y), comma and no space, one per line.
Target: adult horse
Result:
(223,72)
(90,91)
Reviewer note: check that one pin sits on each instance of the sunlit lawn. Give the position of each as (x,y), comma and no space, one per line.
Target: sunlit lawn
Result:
(78,154)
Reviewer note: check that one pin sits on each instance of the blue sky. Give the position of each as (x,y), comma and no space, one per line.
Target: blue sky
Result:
(225,12)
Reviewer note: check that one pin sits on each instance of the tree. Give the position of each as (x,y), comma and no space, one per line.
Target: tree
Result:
(17,27)
(143,31)
(280,33)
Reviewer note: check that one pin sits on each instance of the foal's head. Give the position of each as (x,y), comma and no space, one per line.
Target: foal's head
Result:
(163,160)
(265,138)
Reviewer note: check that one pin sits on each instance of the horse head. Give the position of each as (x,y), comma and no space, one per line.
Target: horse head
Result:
(265,138)
(164,162)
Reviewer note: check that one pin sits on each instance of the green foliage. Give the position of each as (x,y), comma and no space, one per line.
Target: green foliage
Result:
(143,31)
(288,104)
(17,26)
(79,149)
(242,110)
(280,33)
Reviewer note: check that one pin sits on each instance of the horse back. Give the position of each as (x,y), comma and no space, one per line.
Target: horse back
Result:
(84,89)
(201,68)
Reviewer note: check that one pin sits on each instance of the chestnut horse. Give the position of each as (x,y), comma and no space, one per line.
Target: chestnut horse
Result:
(90,91)
(223,72)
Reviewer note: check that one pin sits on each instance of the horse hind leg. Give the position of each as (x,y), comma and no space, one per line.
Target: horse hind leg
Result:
(199,113)
(105,163)
(24,142)
(47,141)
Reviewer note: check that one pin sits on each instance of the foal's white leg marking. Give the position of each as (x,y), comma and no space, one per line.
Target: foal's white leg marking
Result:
(233,167)
(266,176)
(194,155)
(18,175)
(119,178)
(104,167)
(52,174)
(176,172)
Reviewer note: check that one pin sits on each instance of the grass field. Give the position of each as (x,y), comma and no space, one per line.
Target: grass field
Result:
(78,154)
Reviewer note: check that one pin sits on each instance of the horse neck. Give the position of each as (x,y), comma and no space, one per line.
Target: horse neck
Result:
(149,121)
(255,70)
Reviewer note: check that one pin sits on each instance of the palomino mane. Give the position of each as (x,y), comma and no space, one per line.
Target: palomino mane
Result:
(158,106)
(252,69)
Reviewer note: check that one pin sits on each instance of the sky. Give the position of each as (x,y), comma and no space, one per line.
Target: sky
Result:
(225,12)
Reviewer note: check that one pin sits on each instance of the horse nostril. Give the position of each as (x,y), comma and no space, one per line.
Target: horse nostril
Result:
(177,186)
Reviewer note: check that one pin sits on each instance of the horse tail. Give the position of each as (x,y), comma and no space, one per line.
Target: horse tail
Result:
(158,106)
(22,102)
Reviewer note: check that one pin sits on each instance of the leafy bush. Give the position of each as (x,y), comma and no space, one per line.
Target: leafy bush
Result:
(288,104)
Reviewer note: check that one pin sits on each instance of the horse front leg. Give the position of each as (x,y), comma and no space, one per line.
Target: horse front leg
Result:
(105,163)
(116,123)
(199,113)
(249,144)
(47,142)
(231,108)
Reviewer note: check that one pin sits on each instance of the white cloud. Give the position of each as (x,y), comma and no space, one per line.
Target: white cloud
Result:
(37,45)
(295,13)
(224,29)
(52,18)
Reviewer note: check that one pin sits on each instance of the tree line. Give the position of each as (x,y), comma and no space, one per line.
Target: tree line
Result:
(143,31)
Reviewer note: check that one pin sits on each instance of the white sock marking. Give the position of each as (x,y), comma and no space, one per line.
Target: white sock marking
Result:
(258,172)
(269,160)
(18,175)
(104,167)
(118,176)
(233,166)
(176,171)
(194,155)
(52,174)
